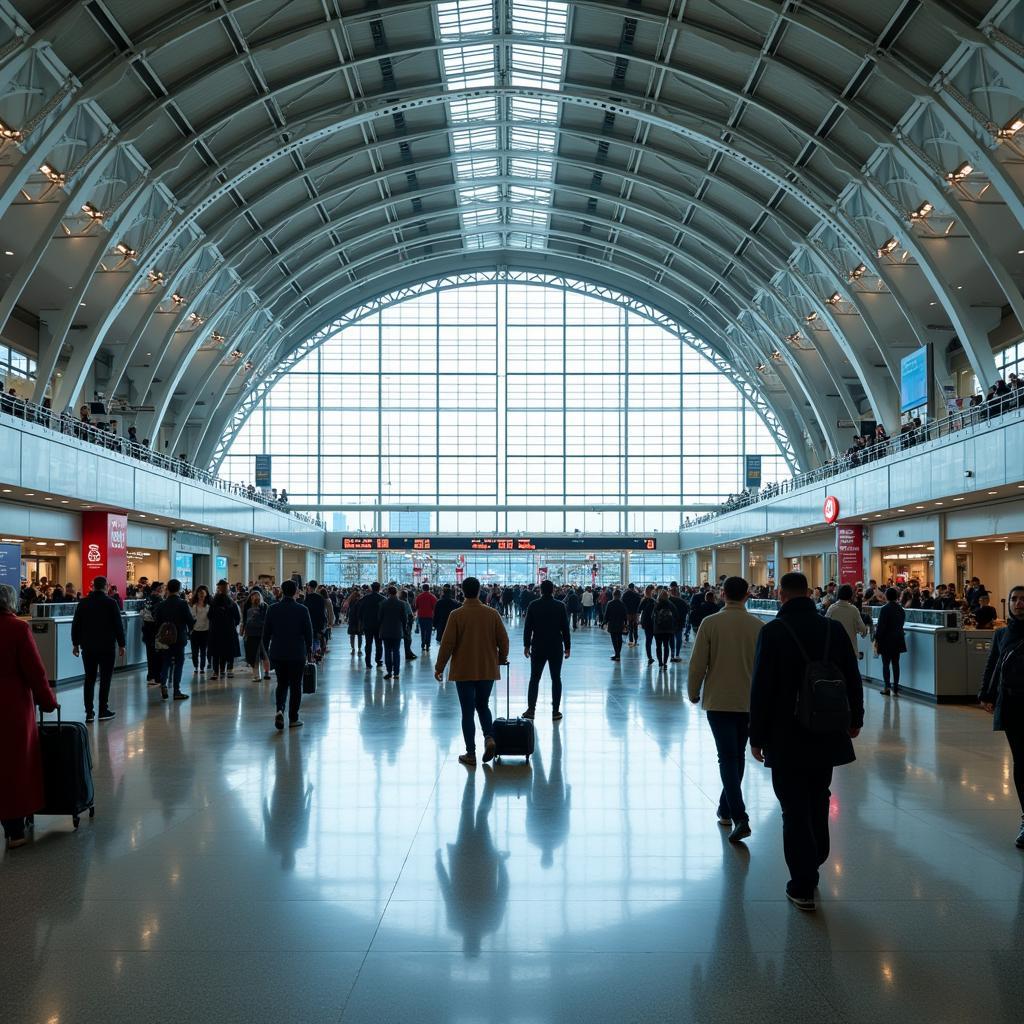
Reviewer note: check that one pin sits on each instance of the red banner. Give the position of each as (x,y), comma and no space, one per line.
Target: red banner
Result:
(105,549)
(850,548)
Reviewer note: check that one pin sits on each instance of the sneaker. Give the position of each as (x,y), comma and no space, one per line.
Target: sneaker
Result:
(387,675)
(90,716)
(178,695)
(528,713)
(800,902)
(410,656)
(231,675)
(650,661)
(266,675)
(556,716)
(490,748)
(163,693)
(741,831)
(279,720)
(886,692)
(106,715)
(297,724)
(677,659)
(469,760)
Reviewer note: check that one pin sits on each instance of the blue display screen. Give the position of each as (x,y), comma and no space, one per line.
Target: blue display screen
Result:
(914,378)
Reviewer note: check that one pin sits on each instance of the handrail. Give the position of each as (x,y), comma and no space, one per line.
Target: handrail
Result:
(911,435)
(65,423)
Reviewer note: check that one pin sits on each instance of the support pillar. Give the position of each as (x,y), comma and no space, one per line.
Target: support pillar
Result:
(777,555)
(279,577)
(625,570)
(745,561)
(713,574)
(245,563)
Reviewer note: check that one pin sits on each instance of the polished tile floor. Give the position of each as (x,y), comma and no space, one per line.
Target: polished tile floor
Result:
(353,871)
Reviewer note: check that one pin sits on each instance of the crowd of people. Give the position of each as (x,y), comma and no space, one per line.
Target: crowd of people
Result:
(1001,397)
(107,433)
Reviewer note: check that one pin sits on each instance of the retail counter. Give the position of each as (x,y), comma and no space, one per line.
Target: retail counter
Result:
(51,628)
(943,662)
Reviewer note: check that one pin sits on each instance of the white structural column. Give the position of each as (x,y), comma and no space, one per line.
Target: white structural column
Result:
(745,561)
(777,554)
(245,563)
(713,573)
(279,575)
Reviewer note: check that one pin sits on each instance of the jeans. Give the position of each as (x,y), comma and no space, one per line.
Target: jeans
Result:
(803,792)
(891,661)
(200,641)
(663,642)
(731,730)
(677,643)
(289,685)
(172,665)
(103,662)
(648,639)
(538,659)
(474,698)
(373,640)
(588,614)
(392,654)
(426,628)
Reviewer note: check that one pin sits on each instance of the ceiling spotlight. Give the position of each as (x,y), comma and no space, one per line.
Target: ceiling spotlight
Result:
(92,212)
(9,134)
(858,272)
(963,171)
(922,211)
(834,299)
(54,176)
(776,355)
(217,339)
(155,277)
(237,354)
(793,338)
(811,317)
(249,365)
(196,319)
(126,251)
(761,367)
(1010,129)
(886,248)
(177,299)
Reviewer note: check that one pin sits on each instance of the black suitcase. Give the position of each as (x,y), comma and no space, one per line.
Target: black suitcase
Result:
(309,678)
(513,737)
(67,768)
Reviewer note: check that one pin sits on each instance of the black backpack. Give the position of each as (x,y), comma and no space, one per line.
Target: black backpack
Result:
(664,620)
(166,636)
(822,703)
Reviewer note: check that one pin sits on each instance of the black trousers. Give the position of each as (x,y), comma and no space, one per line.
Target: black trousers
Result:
(289,685)
(663,645)
(103,663)
(1015,737)
(372,640)
(891,661)
(538,659)
(615,632)
(200,641)
(803,791)
(633,624)
(648,640)
(154,659)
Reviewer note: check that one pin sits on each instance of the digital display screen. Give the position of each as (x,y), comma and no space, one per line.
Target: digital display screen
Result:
(568,542)
(915,377)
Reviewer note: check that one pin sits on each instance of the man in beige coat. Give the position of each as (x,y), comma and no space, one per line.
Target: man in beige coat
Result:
(476,643)
(722,664)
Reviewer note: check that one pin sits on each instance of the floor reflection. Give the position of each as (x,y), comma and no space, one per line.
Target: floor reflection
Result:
(286,813)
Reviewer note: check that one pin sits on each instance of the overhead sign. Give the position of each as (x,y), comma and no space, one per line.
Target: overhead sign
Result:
(568,542)
(10,565)
(831,509)
(915,379)
(850,552)
(752,473)
(263,463)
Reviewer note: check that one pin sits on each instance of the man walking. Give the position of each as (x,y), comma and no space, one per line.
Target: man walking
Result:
(722,666)
(801,758)
(369,610)
(316,605)
(444,607)
(95,630)
(288,641)
(615,619)
(547,639)
(174,622)
(631,599)
(476,643)
(425,605)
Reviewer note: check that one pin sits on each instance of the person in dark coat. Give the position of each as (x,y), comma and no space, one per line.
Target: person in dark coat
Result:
(446,604)
(890,640)
(355,633)
(96,630)
(615,615)
(391,624)
(316,605)
(547,640)
(801,761)
(23,685)
(288,641)
(369,611)
(175,611)
(701,609)
(631,599)
(224,621)
(150,604)
(1002,690)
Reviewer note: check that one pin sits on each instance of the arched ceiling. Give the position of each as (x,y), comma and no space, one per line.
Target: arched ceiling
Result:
(191,190)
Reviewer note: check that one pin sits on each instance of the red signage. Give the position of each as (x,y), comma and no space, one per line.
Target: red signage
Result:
(850,548)
(105,549)
(831,509)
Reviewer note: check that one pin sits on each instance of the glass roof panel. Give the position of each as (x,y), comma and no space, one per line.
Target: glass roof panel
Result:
(469,67)
(473,108)
(542,140)
(536,66)
(484,216)
(531,167)
(540,17)
(465,139)
(484,240)
(477,167)
(534,108)
(466,18)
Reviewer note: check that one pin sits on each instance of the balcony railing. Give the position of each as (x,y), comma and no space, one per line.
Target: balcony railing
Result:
(911,436)
(65,423)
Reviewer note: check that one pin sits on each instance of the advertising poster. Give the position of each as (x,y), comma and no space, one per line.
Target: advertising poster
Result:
(850,548)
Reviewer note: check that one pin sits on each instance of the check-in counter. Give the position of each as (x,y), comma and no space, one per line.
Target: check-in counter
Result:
(943,662)
(51,629)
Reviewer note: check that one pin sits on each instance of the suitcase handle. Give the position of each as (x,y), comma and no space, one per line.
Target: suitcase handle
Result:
(41,714)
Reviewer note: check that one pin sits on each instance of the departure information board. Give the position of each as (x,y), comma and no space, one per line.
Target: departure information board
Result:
(567,542)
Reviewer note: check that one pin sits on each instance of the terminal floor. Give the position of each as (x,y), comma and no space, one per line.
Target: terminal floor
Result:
(353,871)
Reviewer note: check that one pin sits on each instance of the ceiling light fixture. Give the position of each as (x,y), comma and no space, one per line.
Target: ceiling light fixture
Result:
(922,211)
(196,319)
(54,176)
(1014,125)
(858,272)
(155,277)
(834,299)
(9,134)
(177,299)
(793,338)
(811,317)
(961,172)
(775,354)
(887,247)
(92,212)
(127,251)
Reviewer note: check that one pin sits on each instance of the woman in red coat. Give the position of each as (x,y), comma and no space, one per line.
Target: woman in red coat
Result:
(23,685)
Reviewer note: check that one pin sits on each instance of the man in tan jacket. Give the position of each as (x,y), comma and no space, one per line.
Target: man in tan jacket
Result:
(476,643)
(722,663)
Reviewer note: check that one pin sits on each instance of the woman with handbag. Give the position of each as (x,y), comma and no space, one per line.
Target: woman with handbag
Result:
(890,640)
(255,618)
(1002,690)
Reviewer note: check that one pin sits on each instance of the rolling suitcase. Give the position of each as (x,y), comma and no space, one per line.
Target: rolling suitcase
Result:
(309,678)
(513,737)
(67,768)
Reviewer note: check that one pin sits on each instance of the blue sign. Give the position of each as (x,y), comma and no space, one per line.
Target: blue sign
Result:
(10,565)
(183,569)
(915,377)
(222,567)
(753,471)
(263,472)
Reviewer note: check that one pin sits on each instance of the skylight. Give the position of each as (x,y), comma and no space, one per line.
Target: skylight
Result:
(466,18)
(539,17)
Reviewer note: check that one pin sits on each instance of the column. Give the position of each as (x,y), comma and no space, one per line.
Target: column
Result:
(713,573)
(625,569)
(245,563)
(777,555)
(380,567)
(745,561)
(279,578)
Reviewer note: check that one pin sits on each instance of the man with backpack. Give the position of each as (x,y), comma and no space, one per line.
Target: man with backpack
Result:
(174,622)
(806,706)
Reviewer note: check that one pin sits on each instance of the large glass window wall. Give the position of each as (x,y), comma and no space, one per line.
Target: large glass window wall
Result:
(506,402)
